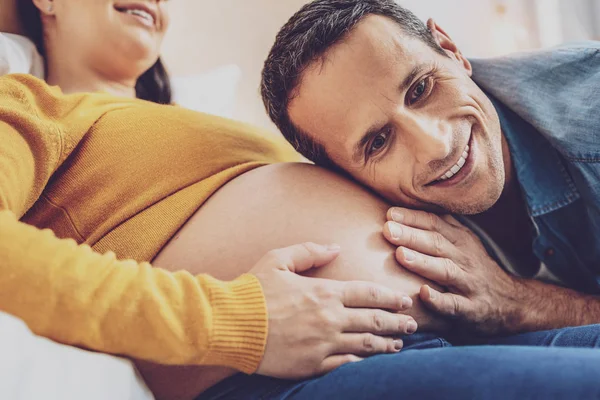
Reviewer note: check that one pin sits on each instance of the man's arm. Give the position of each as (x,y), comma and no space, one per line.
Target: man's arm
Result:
(548,306)
(480,295)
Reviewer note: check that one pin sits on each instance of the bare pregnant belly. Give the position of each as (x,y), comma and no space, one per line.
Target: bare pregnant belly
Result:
(272,207)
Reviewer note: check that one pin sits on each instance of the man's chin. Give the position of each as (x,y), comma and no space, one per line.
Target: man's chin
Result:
(462,205)
(470,209)
(474,204)
(457,209)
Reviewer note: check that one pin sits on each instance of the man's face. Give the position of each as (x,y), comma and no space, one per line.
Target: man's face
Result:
(403,119)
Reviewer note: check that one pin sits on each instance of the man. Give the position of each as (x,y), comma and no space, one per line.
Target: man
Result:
(366,88)
(363,87)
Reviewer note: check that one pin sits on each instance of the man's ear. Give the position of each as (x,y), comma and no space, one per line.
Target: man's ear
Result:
(448,45)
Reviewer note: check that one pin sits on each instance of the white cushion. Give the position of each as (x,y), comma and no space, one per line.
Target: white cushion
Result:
(18,55)
(32,367)
(213,92)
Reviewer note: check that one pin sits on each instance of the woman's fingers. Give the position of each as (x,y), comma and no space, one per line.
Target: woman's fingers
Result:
(371,295)
(379,322)
(335,361)
(367,344)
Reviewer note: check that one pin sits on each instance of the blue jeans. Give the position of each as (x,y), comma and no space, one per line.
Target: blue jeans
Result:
(557,364)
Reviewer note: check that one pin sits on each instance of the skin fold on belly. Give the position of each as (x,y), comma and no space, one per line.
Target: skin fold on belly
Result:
(272,207)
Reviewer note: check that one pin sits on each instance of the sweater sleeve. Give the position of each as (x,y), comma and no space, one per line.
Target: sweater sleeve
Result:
(73,295)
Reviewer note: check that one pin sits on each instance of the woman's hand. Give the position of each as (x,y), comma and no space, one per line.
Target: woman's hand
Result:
(316,325)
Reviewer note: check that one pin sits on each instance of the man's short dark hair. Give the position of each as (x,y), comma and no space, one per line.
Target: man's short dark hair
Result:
(306,38)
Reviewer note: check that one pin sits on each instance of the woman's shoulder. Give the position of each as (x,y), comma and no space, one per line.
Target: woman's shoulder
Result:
(25,98)
(18,54)
(27,88)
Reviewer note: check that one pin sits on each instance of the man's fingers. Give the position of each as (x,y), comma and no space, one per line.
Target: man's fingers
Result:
(333,362)
(369,295)
(448,304)
(379,322)
(421,220)
(426,242)
(302,257)
(366,344)
(440,270)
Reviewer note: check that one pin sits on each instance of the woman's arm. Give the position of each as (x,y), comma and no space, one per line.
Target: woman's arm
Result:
(77,296)
(73,295)
(276,206)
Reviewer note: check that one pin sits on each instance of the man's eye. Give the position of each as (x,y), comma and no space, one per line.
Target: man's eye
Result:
(418,90)
(377,143)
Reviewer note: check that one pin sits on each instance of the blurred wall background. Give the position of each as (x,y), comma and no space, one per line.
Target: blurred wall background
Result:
(208,34)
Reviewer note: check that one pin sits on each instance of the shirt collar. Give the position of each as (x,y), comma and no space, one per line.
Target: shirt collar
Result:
(540,170)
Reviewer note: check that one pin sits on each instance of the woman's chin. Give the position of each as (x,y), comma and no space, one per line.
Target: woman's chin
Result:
(138,45)
(140,62)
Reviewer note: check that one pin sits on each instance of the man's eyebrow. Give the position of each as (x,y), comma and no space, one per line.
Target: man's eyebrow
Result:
(417,69)
(375,129)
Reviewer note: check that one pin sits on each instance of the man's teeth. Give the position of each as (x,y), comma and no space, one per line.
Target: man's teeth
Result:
(141,13)
(457,167)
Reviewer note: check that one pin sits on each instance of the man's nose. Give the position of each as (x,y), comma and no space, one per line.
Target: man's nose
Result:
(429,138)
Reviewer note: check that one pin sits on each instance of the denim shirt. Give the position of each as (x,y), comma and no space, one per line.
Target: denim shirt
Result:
(549,107)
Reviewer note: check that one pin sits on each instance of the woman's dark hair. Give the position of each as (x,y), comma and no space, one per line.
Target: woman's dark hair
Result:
(154,84)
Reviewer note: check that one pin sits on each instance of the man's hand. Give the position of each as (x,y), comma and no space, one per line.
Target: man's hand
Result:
(316,325)
(481,296)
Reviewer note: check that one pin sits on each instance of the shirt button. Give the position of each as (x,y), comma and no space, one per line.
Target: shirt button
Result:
(549,252)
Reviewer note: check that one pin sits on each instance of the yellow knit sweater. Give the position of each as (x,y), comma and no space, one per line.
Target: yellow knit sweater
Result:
(115,179)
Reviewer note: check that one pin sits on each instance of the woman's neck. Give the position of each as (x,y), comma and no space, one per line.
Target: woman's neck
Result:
(73,75)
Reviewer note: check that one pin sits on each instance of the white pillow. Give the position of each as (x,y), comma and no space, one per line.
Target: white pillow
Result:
(33,367)
(18,55)
(213,92)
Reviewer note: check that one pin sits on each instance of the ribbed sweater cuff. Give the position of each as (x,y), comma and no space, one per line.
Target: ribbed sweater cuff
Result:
(239,333)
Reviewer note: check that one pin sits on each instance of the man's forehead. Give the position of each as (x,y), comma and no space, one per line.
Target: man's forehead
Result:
(376,31)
